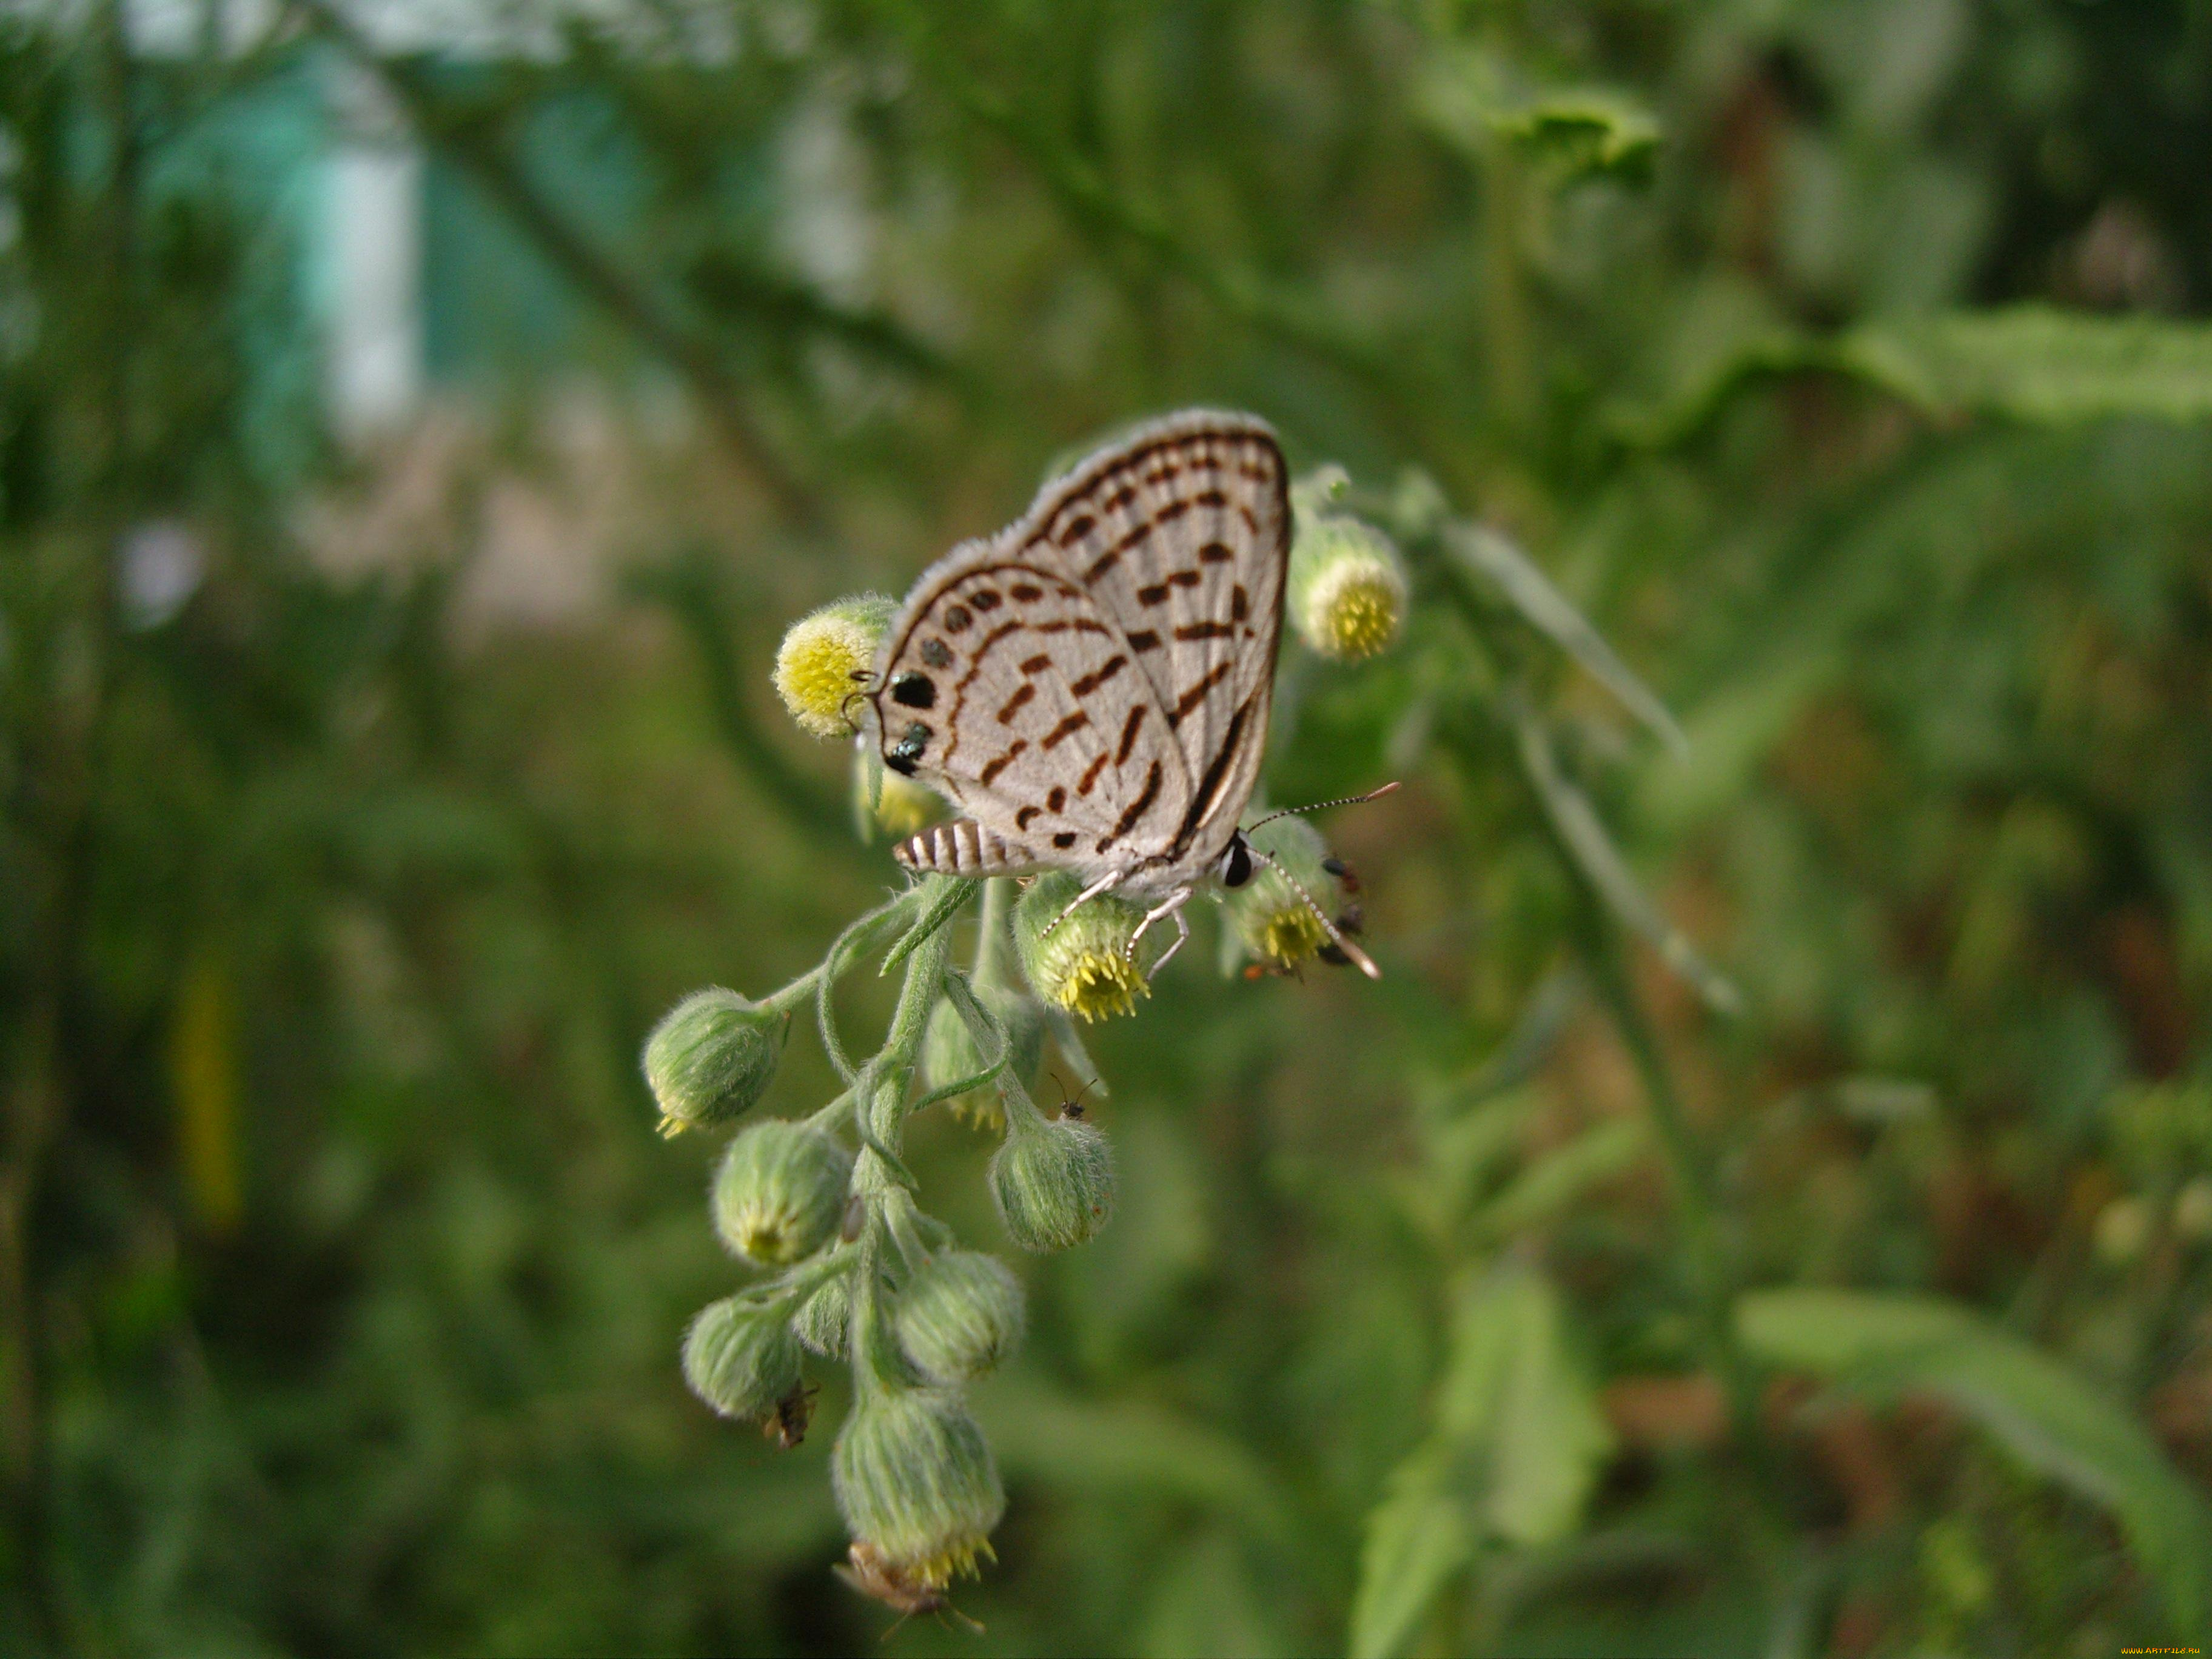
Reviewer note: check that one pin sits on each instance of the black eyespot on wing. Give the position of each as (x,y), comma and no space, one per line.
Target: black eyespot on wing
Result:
(914,690)
(935,653)
(957,618)
(902,756)
(1064,840)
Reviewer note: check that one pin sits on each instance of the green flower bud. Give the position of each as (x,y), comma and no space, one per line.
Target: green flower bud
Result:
(711,1058)
(884,804)
(824,658)
(780,1191)
(950,1052)
(914,1481)
(1346,591)
(1083,963)
(824,1320)
(741,1358)
(959,1316)
(1275,925)
(1053,1182)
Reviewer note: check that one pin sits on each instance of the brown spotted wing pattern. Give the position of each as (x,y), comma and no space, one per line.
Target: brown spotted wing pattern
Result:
(1092,685)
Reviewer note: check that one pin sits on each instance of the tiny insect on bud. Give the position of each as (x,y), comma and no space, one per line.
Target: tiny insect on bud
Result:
(825,1319)
(959,1315)
(741,1358)
(1081,960)
(950,1052)
(915,1482)
(1346,590)
(711,1058)
(1272,921)
(824,658)
(786,1426)
(869,1574)
(1053,1182)
(779,1191)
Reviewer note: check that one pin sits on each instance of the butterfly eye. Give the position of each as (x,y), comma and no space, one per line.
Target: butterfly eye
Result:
(1236,864)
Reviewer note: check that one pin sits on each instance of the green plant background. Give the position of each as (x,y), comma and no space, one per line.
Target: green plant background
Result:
(1753,1216)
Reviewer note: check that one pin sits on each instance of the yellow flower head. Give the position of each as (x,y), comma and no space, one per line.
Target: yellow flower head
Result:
(1082,963)
(1347,587)
(824,658)
(1274,925)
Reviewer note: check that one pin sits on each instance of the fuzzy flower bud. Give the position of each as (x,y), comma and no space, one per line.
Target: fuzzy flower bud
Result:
(780,1191)
(741,1358)
(821,654)
(1083,965)
(711,1058)
(1276,927)
(884,804)
(1053,1182)
(959,1316)
(948,1052)
(1346,591)
(824,1320)
(914,1481)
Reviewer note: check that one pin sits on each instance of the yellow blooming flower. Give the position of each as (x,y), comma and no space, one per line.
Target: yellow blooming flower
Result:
(823,658)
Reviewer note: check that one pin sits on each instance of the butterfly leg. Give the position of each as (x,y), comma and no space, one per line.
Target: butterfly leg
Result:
(1112,878)
(1172,906)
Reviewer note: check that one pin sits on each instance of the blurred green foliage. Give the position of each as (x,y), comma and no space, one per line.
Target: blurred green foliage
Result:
(1763,1210)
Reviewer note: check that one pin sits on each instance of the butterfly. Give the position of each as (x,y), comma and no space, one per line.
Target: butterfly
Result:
(1090,686)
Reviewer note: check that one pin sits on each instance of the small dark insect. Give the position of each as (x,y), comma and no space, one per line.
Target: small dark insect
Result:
(1072,1109)
(786,1423)
(1349,922)
(856,1214)
(872,1575)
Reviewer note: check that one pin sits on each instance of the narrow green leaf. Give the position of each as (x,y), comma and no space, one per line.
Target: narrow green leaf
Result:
(1418,1541)
(1559,1177)
(1592,848)
(2047,1417)
(1517,1411)
(2027,363)
(1496,560)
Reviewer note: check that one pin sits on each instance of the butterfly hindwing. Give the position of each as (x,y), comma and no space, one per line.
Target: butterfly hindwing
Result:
(1092,685)
(1182,536)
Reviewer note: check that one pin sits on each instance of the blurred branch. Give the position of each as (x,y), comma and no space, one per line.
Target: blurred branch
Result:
(1091,201)
(469,139)
(694,591)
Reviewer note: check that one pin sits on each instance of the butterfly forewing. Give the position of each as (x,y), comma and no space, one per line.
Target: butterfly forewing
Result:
(1092,685)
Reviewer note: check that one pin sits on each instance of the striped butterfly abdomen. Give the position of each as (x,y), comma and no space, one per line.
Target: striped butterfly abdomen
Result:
(964,848)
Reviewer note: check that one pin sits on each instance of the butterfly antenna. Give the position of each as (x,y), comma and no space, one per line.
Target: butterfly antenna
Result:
(1344,800)
(1366,964)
